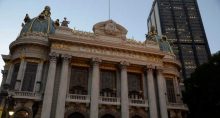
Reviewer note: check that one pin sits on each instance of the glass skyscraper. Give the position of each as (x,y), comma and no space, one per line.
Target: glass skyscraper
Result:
(181,22)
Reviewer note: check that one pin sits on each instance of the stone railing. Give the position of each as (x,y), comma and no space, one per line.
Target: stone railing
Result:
(177,106)
(78,98)
(138,102)
(83,33)
(109,100)
(26,95)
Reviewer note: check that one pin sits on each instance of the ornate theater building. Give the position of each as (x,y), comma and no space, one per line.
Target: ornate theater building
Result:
(53,71)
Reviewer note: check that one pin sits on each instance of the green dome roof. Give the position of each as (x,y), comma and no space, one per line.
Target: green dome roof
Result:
(42,23)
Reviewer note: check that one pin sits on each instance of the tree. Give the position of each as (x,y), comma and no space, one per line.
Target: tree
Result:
(202,94)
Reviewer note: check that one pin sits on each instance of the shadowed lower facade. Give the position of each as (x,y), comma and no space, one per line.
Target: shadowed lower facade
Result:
(53,71)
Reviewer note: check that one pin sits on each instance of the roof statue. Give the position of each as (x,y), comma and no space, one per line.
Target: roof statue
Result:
(65,22)
(165,45)
(42,23)
(152,35)
(57,23)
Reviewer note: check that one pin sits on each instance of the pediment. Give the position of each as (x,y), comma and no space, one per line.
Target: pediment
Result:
(110,28)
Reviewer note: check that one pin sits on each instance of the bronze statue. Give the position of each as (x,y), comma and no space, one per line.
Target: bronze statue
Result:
(57,23)
(27,18)
(65,22)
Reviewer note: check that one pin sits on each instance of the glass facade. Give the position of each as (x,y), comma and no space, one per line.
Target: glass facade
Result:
(181,22)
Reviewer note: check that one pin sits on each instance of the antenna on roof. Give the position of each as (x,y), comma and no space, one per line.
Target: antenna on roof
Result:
(109,9)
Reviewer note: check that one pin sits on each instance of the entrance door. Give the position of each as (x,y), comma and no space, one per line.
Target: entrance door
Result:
(108,116)
(76,115)
(136,116)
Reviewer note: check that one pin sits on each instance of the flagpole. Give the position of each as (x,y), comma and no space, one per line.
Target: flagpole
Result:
(109,9)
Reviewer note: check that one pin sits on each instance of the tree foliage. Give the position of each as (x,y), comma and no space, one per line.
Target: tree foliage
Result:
(202,94)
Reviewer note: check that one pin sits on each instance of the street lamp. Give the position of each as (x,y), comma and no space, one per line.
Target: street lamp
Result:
(11,104)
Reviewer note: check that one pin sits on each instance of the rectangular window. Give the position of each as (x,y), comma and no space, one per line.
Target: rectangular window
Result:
(171,96)
(14,75)
(135,85)
(29,77)
(79,80)
(108,83)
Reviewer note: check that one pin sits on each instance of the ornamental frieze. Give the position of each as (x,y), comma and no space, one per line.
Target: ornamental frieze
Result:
(107,52)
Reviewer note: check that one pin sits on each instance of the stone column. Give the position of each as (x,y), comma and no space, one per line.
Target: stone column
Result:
(161,92)
(94,103)
(124,90)
(61,100)
(48,94)
(151,93)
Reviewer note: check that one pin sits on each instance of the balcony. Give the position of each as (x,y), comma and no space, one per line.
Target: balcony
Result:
(109,100)
(78,98)
(138,102)
(181,106)
(26,95)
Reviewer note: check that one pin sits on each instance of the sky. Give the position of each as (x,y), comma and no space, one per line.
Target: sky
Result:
(83,14)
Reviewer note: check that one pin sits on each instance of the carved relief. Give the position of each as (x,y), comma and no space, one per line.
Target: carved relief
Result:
(110,28)
(60,46)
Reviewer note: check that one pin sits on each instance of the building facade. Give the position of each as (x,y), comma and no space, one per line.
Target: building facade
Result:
(53,71)
(181,22)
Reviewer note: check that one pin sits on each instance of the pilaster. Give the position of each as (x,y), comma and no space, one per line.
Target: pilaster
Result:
(10,72)
(21,72)
(39,74)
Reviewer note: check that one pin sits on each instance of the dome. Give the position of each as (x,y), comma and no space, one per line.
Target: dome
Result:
(42,23)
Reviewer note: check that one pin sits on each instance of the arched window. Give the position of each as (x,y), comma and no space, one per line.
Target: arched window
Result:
(108,83)
(135,87)
(76,115)
(108,116)
(79,80)
(22,114)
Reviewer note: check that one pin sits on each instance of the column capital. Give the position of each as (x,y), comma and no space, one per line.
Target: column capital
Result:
(96,60)
(53,56)
(124,64)
(150,67)
(66,57)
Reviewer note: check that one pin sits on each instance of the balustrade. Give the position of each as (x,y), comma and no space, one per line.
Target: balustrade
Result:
(26,95)
(138,102)
(109,100)
(177,106)
(78,98)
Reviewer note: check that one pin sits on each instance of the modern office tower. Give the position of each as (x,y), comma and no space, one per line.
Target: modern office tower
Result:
(54,71)
(181,22)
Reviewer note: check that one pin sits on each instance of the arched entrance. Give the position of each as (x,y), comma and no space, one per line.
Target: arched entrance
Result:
(136,116)
(108,116)
(21,114)
(76,115)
